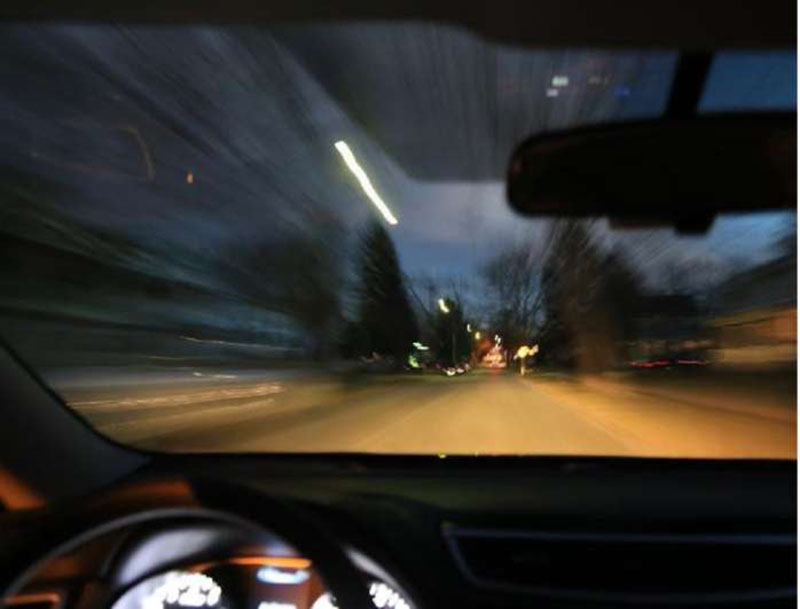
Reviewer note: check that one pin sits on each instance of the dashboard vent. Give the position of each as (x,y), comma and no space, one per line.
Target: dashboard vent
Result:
(628,567)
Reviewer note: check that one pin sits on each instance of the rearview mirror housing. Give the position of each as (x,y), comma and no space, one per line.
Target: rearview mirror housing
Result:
(679,172)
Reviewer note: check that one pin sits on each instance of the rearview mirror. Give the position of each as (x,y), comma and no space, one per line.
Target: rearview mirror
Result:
(680,172)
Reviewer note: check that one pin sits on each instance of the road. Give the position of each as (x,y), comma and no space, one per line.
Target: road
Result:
(479,413)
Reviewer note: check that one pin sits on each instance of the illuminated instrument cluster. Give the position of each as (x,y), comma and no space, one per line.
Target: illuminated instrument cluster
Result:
(246,583)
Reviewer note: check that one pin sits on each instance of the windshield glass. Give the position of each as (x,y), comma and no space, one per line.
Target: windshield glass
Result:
(297,239)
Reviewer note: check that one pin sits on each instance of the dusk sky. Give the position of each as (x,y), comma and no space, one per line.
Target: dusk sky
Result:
(432,114)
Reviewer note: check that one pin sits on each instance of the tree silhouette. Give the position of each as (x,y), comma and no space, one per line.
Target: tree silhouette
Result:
(512,279)
(590,299)
(386,323)
(298,273)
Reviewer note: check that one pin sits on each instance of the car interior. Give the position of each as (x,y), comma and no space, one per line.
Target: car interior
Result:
(87,522)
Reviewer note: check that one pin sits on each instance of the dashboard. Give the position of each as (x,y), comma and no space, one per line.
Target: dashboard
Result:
(188,560)
(414,534)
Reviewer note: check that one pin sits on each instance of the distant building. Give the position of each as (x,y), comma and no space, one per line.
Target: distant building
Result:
(71,304)
(668,325)
(755,315)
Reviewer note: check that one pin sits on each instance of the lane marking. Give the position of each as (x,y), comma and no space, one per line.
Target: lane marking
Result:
(164,426)
(197,397)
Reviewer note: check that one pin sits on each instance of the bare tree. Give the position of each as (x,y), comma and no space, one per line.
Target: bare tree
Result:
(513,280)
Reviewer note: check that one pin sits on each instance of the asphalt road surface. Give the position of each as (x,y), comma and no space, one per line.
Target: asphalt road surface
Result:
(484,412)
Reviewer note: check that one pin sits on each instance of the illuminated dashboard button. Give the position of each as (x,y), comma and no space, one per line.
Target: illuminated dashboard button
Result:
(273,575)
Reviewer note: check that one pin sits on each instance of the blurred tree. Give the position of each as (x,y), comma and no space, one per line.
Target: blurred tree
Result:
(696,275)
(386,322)
(309,276)
(622,293)
(590,300)
(299,274)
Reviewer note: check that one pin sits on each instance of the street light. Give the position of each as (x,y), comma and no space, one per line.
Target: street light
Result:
(469,328)
(477,335)
(445,309)
(363,179)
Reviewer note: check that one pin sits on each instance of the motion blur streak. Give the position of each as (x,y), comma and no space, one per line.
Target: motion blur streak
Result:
(363,179)
(191,266)
(191,398)
(488,411)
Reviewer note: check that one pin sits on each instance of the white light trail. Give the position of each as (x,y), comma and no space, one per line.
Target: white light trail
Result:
(363,179)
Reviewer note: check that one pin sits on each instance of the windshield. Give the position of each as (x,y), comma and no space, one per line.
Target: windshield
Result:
(297,239)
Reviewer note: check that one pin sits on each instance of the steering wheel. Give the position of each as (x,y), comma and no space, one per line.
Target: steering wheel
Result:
(222,502)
